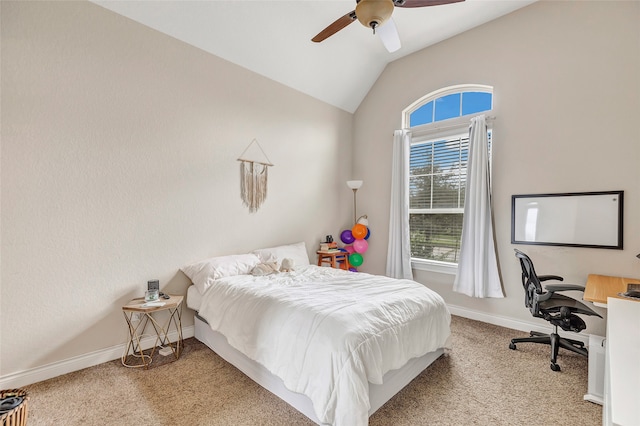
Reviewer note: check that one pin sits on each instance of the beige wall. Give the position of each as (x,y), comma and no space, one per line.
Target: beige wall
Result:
(119,148)
(567,97)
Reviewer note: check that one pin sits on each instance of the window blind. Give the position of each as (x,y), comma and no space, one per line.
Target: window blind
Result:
(437,180)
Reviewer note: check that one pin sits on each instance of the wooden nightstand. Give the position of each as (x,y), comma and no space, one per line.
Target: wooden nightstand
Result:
(139,315)
(336,259)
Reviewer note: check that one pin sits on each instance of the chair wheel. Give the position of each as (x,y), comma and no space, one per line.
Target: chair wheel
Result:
(512,346)
(555,367)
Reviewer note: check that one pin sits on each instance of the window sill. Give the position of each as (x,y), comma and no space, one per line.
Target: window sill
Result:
(434,266)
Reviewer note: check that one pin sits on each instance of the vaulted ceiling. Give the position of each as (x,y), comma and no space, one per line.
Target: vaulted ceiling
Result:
(273,38)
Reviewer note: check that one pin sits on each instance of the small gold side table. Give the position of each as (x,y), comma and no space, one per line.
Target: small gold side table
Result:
(137,328)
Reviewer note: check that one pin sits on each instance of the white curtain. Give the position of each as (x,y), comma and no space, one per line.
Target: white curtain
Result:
(399,249)
(478,267)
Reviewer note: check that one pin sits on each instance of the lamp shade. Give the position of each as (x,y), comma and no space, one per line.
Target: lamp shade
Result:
(354,184)
(364,220)
(373,13)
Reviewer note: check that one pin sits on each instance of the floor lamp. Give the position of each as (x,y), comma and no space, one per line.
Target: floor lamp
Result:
(354,185)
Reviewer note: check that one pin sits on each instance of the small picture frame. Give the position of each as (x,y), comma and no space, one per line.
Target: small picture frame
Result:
(153,285)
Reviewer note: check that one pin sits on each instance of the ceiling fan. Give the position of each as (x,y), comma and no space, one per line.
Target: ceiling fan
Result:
(376,15)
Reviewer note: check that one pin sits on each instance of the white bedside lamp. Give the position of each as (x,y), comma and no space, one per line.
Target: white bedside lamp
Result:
(354,185)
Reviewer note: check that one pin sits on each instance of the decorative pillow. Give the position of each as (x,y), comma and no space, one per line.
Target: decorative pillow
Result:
(203,273)
(297,252)
(265,269)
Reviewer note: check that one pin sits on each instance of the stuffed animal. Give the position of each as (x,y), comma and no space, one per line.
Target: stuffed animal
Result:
(287,265)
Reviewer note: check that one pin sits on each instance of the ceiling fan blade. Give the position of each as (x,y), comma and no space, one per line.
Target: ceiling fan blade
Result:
(388,33)
(336,26)
(423,3)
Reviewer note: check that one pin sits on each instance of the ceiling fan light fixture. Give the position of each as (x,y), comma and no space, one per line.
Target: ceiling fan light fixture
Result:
(374,13)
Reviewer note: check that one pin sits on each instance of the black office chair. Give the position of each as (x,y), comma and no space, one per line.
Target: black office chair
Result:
(558,309)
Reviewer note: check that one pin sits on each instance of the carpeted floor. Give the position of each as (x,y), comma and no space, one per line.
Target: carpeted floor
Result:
(481,382)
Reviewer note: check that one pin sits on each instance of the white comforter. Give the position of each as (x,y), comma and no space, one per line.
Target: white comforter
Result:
(327,332)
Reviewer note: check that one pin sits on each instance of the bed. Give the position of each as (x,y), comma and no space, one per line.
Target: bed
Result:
(335,345)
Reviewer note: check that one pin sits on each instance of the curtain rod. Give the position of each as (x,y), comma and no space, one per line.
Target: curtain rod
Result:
(488,118)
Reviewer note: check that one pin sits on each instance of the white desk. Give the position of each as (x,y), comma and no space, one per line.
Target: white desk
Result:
(600,289)
(622,366)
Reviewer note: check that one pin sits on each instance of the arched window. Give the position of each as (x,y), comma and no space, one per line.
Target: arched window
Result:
(450,102)
(439,124)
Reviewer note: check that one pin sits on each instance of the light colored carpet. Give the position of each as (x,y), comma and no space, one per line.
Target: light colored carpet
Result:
(481,382)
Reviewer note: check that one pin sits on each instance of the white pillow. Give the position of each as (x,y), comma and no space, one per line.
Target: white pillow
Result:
(297,252)
(203,273)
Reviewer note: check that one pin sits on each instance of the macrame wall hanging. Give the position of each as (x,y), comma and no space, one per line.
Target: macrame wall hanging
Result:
(253,177)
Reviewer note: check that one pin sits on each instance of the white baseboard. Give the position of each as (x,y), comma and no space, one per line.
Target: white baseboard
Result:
(596,399)
(515,324)
(49,371)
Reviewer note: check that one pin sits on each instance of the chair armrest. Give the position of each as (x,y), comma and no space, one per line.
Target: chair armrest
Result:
(550,277)
(552,288)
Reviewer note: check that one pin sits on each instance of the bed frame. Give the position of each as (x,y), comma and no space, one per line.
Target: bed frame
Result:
(393,381)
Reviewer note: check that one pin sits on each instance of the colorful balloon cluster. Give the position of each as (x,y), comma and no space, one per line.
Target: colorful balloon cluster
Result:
(356,244)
